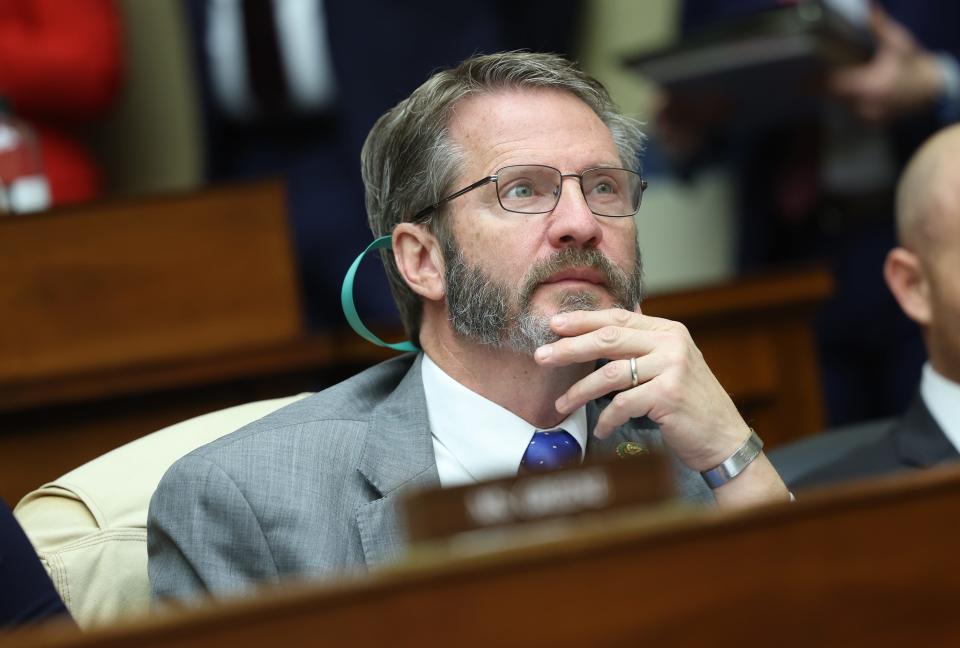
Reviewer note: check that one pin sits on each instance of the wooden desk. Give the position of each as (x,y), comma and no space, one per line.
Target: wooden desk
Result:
(128,316)
(869,564)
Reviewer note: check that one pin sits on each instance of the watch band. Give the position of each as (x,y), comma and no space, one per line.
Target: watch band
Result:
(735,463)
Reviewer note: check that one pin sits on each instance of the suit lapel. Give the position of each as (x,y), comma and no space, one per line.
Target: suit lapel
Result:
(397,456)
(631,431)
(689,484)
(919,440)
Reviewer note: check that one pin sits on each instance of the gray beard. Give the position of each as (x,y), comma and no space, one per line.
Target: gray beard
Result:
(492,313)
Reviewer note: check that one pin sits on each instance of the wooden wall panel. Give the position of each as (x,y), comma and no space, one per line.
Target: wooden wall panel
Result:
(134,281)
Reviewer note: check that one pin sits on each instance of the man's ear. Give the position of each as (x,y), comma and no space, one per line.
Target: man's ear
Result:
(419,260)
(909,284)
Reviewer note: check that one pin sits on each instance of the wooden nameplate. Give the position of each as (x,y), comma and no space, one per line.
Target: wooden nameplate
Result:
(636,478)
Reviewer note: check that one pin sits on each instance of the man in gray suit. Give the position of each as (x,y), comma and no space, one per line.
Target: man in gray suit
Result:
(923,273)
(509,186)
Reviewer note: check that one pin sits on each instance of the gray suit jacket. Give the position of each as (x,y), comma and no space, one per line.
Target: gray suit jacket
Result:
(310,490)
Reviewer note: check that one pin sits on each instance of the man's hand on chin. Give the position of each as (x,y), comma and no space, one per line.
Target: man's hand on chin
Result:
(669,382)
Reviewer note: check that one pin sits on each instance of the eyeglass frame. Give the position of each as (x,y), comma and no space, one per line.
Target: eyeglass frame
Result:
(426,211)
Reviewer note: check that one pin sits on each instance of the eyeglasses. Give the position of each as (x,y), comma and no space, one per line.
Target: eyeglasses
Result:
(535,189)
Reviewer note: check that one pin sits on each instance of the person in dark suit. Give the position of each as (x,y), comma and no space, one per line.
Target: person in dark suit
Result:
(27,594)
(922,274)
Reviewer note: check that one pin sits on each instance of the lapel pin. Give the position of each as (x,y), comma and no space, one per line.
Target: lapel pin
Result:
(630,449)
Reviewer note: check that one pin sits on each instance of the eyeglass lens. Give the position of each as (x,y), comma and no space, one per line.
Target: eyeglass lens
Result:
(536,189)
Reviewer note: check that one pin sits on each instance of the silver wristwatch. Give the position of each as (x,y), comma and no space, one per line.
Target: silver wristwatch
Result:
(735,463)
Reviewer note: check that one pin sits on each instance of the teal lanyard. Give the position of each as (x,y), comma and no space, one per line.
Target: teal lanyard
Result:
(350,308)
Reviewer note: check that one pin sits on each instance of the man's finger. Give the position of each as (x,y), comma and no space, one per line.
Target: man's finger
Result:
(626,405)
(614,376)
(579,322)
(607,342)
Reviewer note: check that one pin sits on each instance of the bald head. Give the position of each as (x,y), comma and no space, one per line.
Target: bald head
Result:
(928,195)
(922,273)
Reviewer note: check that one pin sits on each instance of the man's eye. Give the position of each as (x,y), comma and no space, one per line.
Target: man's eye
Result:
(604,188)
(518,191)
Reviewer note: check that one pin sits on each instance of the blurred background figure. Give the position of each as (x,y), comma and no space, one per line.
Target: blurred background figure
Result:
(27,595)
(61,65)
(817,186)
(290,88)
(922,274)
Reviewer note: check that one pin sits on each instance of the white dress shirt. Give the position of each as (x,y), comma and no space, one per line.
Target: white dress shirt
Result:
(942,398)
(475,439)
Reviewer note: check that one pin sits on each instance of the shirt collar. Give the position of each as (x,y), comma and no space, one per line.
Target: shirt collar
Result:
(486,439)
(942,398)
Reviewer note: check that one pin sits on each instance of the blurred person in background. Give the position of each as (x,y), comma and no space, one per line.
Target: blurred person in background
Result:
(819,187)
(27,595)
(61,64)
(922,273)
(290,89)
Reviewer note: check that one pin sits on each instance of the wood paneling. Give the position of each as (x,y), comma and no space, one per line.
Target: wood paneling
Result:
(127,283)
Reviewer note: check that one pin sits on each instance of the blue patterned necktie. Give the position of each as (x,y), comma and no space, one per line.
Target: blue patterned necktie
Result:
(550,450)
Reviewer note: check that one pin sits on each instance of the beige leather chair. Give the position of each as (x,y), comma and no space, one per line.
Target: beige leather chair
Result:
(90,526)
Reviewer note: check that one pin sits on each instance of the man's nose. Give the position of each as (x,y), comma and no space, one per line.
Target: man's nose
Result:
(572,224)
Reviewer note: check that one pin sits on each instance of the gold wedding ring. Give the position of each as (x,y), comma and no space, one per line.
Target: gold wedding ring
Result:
(634,378)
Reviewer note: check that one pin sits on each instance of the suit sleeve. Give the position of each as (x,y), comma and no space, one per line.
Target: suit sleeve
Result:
(203,538)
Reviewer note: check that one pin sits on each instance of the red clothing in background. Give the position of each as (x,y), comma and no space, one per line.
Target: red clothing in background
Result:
(61,63)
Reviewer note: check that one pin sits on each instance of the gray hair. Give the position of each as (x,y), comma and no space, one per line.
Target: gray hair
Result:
(409,160)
